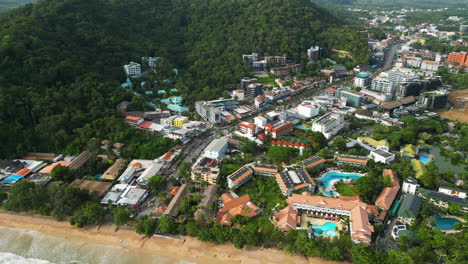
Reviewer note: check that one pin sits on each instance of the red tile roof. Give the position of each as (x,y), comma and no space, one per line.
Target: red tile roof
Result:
(145,124)
(133,118)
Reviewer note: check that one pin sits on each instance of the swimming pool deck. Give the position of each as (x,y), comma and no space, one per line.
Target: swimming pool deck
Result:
(307,220)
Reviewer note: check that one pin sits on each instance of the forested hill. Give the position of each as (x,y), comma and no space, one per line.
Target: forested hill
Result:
(61,60)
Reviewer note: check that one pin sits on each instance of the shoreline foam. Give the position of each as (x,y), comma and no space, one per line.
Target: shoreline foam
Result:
(190,249)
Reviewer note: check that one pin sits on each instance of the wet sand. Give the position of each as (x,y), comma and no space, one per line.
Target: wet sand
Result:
(186,249)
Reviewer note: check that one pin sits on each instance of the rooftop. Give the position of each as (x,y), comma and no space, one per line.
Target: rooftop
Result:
(294,179)
(97,188)
(410,206)
(216,145)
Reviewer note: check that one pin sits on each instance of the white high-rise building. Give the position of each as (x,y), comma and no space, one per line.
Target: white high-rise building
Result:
(308,109)
(132,69)
(329,124)
(383,85)
(313,54)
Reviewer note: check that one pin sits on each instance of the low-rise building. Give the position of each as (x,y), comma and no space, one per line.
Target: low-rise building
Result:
(216,149)
(113,171)
(286,219)
(248,128)
(97,188)
(174,206)
(279,129)
(78,162)
(180,120)
(453,191)
(409,208)
(207,174)
(141,170)
(239,177)
(357,211)
(382,155)
(311,162)
(351,159)
(329,124)
(388,194)
(133,120)
(294,179)
(232,206)
(263,169)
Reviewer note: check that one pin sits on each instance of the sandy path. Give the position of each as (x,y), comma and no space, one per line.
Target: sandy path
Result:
(190,249)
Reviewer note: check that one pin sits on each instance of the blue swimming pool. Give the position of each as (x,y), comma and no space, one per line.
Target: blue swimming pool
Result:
(327,229)
(329,179)
(424,158)
(446,223)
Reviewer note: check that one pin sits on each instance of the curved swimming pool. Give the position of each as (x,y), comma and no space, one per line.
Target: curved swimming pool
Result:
(327,229)
(330,178)
(446,223)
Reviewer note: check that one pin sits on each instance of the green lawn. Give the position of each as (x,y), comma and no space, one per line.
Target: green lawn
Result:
(268,80)
(264,192)
(345,189)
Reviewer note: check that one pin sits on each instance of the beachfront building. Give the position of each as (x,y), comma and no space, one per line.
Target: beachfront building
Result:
(286,219)
(239,177)
(409,208)
(357,211)
(294,179)
(329,124)
(216,149)
(351,159)
(388,194)
(232,206)
(113,171)
(141,171)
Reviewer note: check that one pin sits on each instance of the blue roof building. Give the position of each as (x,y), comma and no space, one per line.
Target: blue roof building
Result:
(165,101)
(148,92)
(161,91)
(177,108)
(127,85)
(174,90)
(176,99)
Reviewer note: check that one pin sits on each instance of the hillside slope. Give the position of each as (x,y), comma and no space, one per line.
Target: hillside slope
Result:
(61,61)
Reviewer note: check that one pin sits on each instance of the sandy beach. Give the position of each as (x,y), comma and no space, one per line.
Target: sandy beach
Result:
(188,249)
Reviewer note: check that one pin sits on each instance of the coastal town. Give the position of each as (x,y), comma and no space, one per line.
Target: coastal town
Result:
(317,150)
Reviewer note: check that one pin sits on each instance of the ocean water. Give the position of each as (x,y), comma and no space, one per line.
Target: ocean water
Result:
(22,246)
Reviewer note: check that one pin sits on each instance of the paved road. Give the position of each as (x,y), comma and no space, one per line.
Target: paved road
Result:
(389,57)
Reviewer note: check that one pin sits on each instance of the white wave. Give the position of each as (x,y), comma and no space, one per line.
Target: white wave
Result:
(10,258)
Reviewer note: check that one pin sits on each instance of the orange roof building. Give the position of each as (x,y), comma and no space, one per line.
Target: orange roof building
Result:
(388,194)
(351,159)
(48,169)
(239,177)
(236,206)
(357,211)
(287,219)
